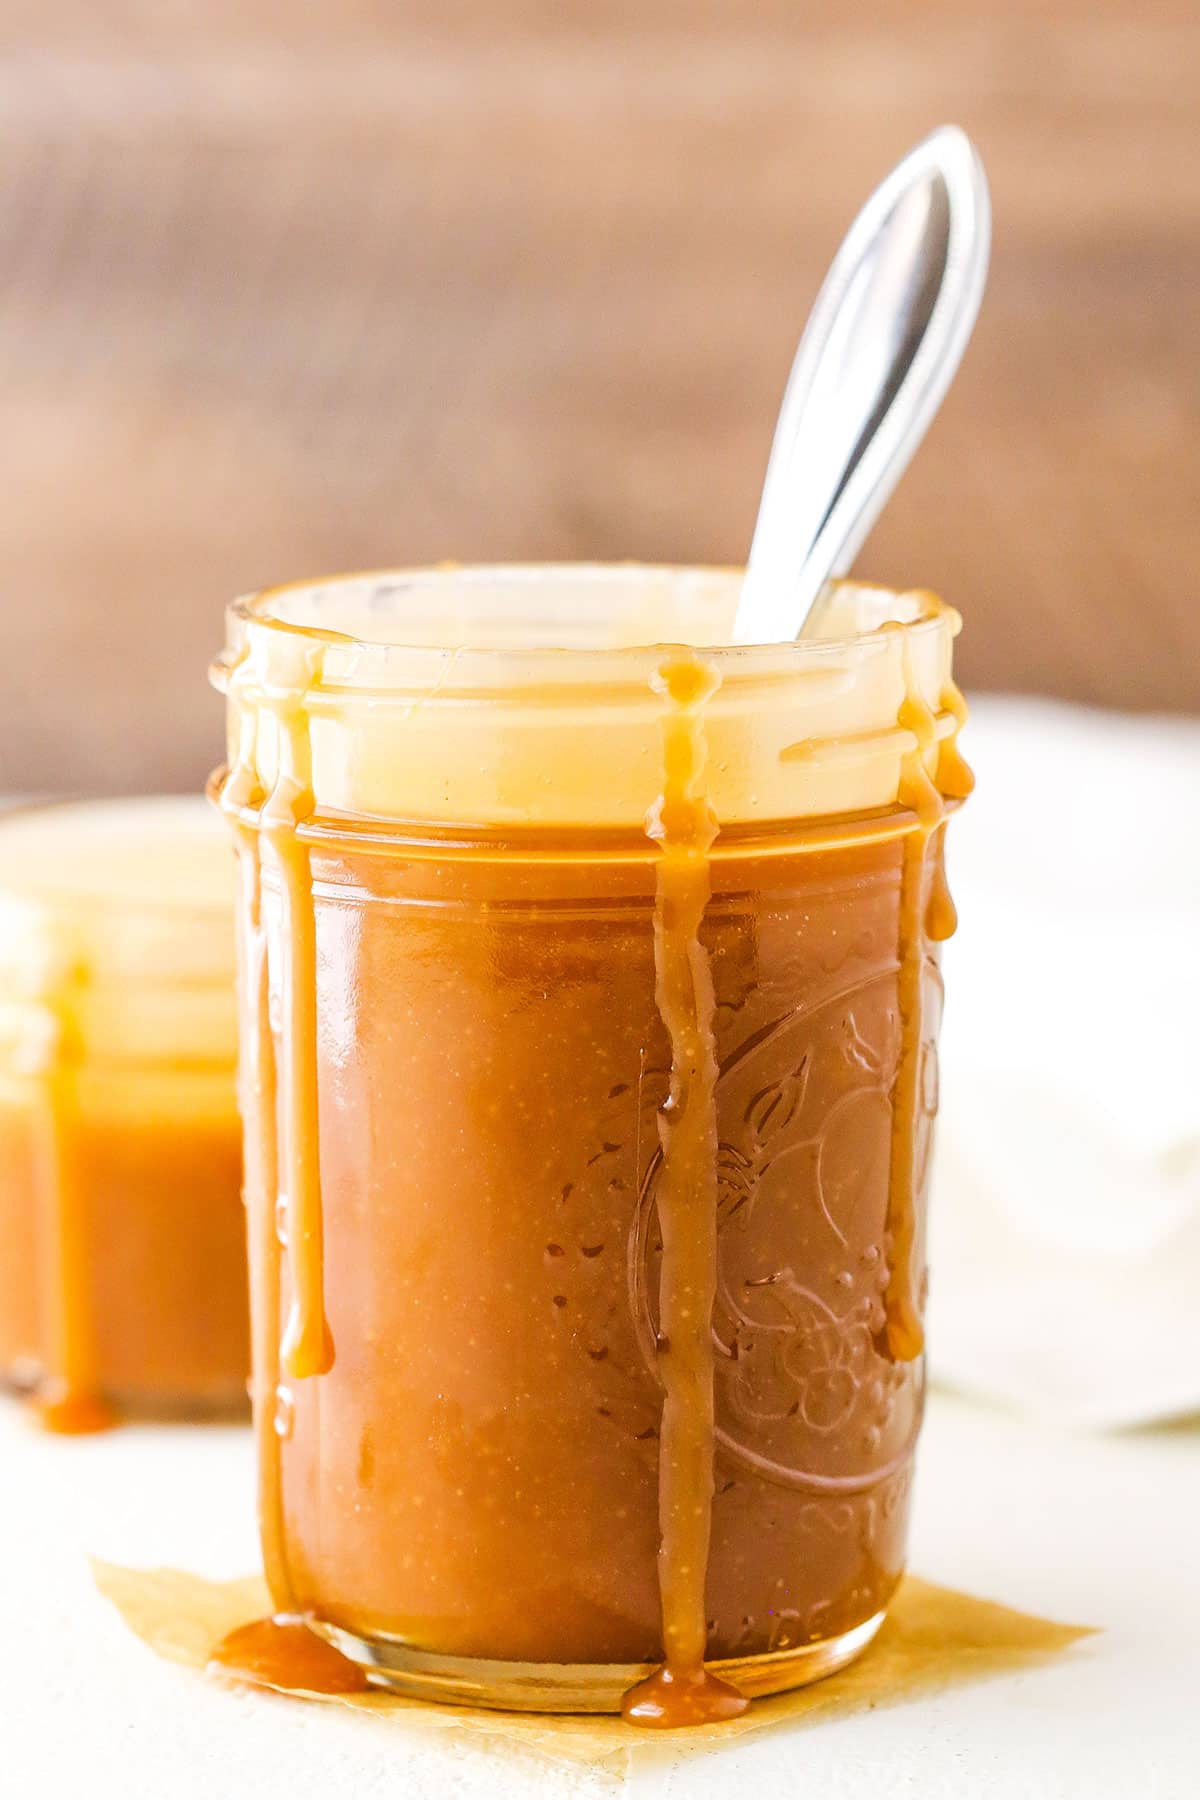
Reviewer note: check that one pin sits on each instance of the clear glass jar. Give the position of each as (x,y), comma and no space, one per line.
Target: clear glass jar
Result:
(123,1289)
(589,1008)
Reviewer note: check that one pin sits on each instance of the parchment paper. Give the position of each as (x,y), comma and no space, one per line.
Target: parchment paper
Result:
(933,1638)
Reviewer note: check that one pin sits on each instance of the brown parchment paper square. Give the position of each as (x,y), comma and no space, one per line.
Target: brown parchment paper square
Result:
(933,1638)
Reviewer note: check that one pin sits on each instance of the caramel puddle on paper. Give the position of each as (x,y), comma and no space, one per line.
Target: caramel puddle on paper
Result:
(932,1639)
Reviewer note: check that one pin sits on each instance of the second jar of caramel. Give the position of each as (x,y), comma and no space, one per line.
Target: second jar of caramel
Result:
(590,998)
(123,1273)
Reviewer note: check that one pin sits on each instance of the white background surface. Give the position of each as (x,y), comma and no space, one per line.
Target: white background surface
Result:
(1067,1192)
(1103,1531)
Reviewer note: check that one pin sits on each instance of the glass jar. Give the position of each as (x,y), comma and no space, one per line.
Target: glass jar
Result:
(123,1286)
(589,1007)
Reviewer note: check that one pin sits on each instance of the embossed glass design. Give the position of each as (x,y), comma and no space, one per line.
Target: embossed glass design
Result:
(466,1495)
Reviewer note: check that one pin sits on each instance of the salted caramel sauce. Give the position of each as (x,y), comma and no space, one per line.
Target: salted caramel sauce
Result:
(238,795)
(280,1078)
(921,916)
(280,1099)
(119,1155)
(72,1412)
(67,1399)
(283,1652)
(307,1348)
(684,826)
(954,776)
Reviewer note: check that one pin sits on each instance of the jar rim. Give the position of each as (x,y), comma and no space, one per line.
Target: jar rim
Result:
(330,696)
(64,895)
(358,660)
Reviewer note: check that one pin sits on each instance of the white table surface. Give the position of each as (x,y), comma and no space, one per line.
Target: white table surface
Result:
(1102,1530)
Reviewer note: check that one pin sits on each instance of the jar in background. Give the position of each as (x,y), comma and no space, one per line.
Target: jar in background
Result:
(589,1011)
(123,1283)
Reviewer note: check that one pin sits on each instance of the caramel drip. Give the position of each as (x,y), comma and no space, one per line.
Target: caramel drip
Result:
(941,914)
(257,1098)
(954,781)
(282,1652)
(683,1691)
(926,912)
(305,1348)
(67,1398)
(954,777)
(307,1344)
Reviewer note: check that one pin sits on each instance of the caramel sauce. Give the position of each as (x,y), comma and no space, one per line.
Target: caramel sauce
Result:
(681,1695)
(954,776)
(138,1259)
(278,1077)
(120,1158)
(258,1101)
(682,1691)
(71,1412)
(279,1095)
(926,912)
(941,914)
(282,1652)
(66,1399)
(307,1345)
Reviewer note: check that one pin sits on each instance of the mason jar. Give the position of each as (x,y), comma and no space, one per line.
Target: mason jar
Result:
(589,1006)
(123,1286)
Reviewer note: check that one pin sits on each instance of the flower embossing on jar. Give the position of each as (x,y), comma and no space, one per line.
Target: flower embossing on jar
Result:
(807,1396)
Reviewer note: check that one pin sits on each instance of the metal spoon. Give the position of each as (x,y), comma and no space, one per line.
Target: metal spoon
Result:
(879,351)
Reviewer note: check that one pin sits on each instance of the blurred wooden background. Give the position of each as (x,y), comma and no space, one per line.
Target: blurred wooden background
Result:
(292,288)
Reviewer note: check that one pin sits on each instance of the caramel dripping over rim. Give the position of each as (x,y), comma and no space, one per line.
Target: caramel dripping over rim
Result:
(307,1345)
(683,1691)
(274,1080)
(281,1648)
(927,913)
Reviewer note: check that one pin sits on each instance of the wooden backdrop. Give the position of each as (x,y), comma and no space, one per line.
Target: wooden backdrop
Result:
(286,288)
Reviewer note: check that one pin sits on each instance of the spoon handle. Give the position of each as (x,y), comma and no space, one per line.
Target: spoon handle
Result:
(880,349)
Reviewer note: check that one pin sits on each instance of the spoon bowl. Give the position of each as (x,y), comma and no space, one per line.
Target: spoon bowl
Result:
(881,347)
